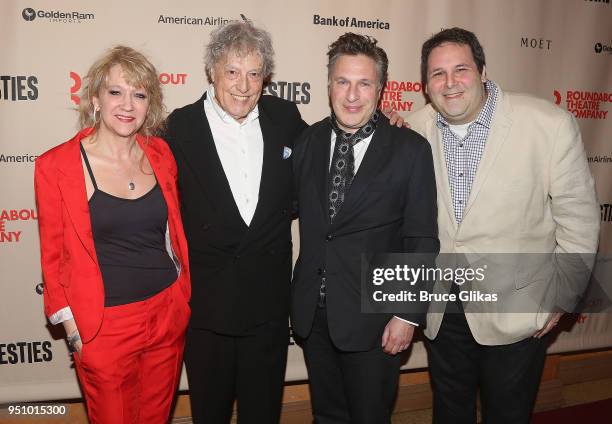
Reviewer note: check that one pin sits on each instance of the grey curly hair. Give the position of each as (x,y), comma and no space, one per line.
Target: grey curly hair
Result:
(242,38)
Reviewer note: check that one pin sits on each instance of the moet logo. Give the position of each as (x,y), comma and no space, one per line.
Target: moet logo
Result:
(536,43)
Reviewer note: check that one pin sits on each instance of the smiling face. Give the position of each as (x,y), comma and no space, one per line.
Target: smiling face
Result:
(238,82)
(353,91)
(122,107)
(454,85)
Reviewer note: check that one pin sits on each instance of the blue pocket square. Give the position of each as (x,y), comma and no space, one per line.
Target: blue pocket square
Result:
(286,152)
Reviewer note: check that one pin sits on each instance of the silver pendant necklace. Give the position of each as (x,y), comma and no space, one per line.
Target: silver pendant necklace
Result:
(131,184)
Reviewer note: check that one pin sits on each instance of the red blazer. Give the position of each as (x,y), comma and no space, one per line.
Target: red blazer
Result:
(69,262)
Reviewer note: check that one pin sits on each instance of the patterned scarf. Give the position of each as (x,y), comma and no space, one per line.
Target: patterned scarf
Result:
(342,170)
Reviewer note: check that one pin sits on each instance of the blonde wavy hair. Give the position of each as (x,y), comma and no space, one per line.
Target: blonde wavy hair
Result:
(138,72)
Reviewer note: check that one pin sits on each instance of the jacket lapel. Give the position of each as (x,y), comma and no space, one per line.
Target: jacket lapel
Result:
(272,158)
(166,183)
(321,145)
(201,154)
(374,160)
(162,177)
(71,183)
(441,170)
(500,127)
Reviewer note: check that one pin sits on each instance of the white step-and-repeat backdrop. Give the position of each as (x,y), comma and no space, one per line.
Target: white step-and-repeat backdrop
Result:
(560,50)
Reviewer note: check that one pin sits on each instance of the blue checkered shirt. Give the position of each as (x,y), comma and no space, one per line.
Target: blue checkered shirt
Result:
(463,154)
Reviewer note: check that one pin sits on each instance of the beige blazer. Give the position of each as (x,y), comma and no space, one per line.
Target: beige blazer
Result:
(533,193)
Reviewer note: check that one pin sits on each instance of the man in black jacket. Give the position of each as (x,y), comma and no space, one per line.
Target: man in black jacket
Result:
(363,187)
(232,149)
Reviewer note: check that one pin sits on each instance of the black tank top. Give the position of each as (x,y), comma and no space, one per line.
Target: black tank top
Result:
(129,237)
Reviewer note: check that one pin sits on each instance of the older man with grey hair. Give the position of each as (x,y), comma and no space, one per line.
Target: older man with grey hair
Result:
(232,149)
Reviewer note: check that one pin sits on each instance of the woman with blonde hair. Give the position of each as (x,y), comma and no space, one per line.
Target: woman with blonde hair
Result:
(113,251)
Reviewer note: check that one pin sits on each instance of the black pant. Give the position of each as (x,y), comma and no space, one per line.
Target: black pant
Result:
(508,376)
(348,387)
(249,368)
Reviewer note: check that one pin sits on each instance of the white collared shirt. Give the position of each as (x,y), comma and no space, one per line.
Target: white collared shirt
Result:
(240,149)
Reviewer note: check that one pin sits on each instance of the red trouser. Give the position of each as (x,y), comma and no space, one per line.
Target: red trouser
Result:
(129,372)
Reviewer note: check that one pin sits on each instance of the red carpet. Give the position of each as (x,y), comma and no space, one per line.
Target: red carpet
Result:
(589,413)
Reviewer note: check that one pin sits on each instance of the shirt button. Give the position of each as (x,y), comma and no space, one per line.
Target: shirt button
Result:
(461,174)
(460,202)
(460,144)
(329,237)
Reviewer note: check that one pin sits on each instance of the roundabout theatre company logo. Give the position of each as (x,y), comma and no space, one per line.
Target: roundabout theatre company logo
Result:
(165,78)
(585,104)
(9,234)
(397,95)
